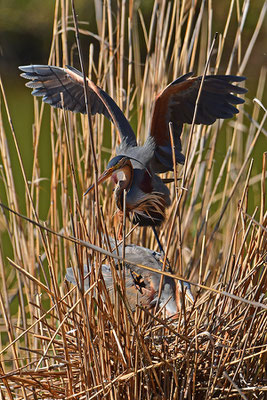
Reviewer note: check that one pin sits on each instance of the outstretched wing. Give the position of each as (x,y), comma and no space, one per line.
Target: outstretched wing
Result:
(64,87)
(176,104)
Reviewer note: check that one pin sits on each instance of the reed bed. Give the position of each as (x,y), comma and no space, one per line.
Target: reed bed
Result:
(60,342)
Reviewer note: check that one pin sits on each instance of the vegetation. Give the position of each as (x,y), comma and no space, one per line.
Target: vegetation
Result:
(59,342)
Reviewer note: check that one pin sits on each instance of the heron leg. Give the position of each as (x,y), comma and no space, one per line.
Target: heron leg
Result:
(158,241)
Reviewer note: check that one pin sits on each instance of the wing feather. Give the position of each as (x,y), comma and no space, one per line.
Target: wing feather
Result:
(57,84)
(176,104)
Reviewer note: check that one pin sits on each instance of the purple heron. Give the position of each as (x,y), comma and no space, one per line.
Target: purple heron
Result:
(141,285)
(136,168)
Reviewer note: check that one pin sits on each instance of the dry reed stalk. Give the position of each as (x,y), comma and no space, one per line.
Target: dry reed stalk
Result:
(61,342)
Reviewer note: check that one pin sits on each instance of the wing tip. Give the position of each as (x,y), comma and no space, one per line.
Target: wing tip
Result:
(22,67)
(30,68)
(27,71)
(239,78)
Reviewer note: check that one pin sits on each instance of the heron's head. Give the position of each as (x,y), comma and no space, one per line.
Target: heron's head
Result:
(116,164)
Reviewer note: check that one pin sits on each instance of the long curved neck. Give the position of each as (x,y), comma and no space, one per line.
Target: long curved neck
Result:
(125,183)
(128,174)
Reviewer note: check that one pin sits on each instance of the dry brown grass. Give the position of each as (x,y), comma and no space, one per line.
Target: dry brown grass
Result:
(61,343)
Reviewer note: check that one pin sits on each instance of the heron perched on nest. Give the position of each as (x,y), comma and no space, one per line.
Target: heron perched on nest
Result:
(142,286)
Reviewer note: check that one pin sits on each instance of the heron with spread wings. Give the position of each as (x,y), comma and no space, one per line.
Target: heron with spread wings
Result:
(135,169)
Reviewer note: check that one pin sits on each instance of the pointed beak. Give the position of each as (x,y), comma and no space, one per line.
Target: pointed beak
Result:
(103,177)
